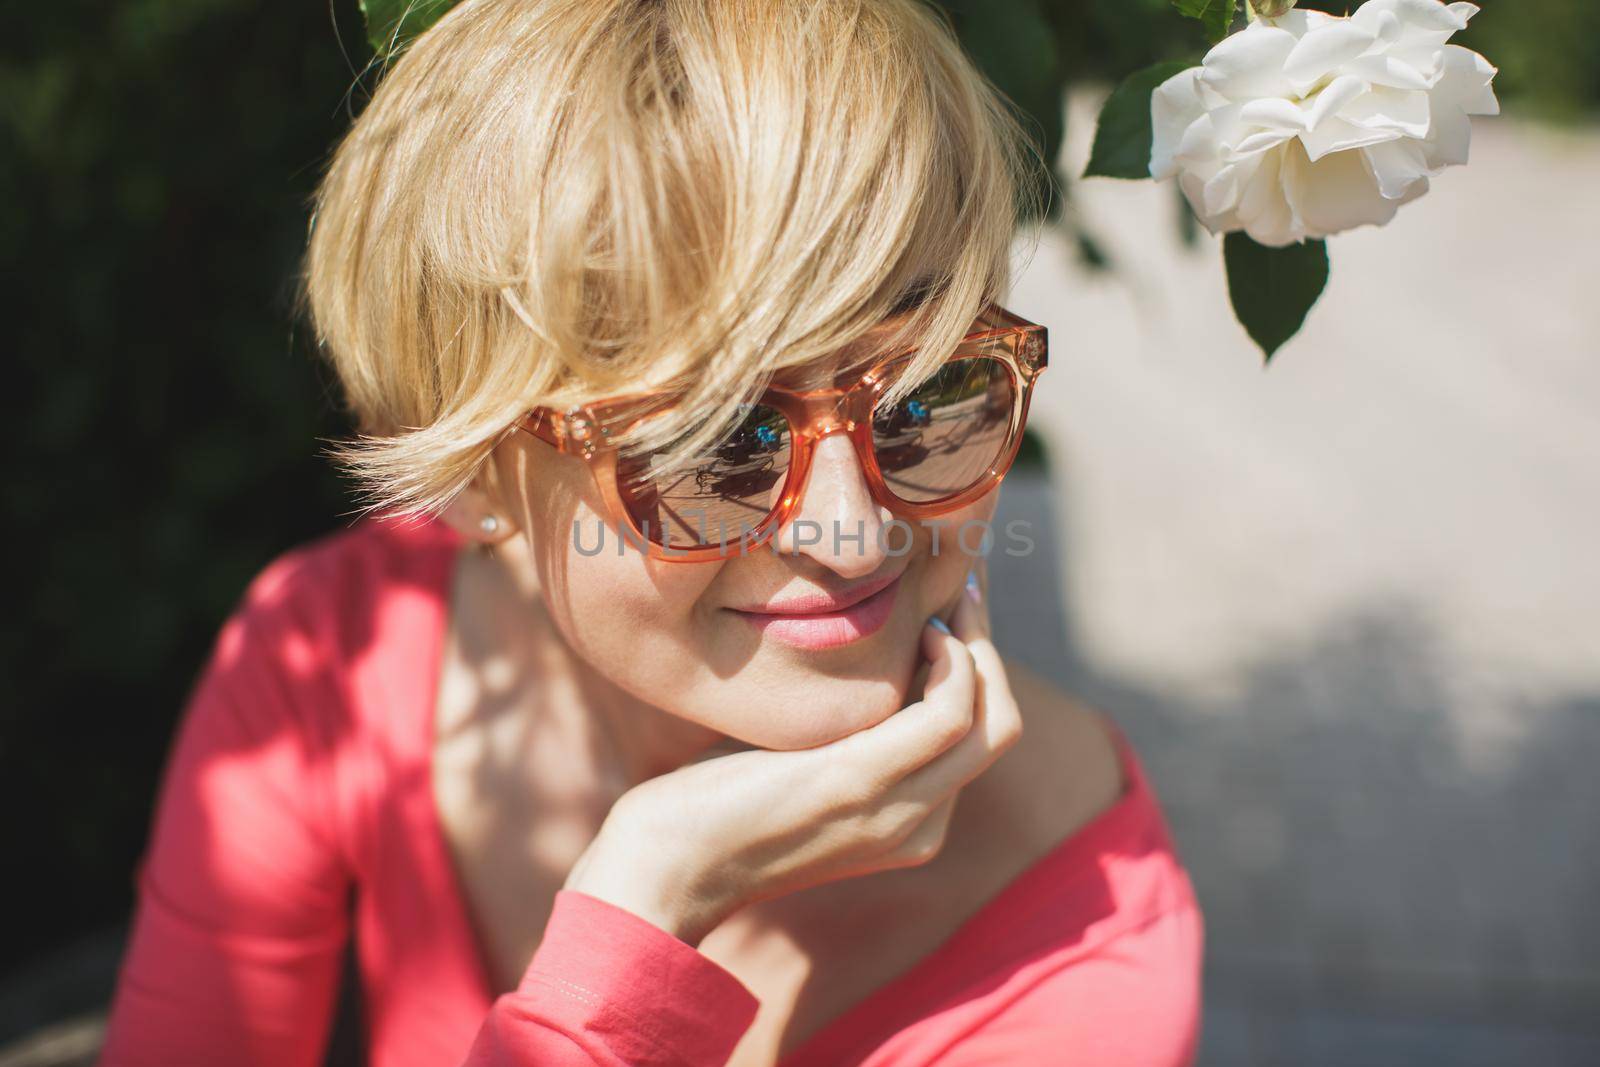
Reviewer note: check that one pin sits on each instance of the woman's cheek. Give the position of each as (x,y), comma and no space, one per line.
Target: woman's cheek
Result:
(963,538)
(633,618)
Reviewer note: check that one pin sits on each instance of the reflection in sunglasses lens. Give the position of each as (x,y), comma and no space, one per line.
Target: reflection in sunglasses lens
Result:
(948,433)
(715,498)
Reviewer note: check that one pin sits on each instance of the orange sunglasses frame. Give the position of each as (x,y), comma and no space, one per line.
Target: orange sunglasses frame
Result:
(584,430)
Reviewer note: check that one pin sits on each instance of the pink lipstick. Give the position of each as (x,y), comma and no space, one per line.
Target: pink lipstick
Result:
(818,621)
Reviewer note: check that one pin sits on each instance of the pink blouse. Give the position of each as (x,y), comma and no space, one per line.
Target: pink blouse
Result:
(296,809)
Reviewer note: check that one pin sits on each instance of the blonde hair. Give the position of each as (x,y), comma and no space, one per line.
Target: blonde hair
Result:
(548,202)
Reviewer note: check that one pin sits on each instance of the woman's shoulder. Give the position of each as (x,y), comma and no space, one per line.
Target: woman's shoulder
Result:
(372,547)
(1081,792)
(358,600)
(346,573)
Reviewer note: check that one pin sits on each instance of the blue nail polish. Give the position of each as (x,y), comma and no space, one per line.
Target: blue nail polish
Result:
(973,589)
(939,624)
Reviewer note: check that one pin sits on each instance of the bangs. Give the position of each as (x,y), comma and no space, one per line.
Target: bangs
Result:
(680,195)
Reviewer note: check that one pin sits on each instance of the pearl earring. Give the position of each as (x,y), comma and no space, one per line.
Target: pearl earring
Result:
(489,524)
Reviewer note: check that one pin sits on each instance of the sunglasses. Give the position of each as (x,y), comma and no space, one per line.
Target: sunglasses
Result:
(937,449)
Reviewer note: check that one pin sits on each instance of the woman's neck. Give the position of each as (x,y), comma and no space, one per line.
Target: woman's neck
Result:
(633,740)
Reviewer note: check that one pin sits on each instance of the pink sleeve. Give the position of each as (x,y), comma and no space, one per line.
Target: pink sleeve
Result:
(607,987)
(243,914)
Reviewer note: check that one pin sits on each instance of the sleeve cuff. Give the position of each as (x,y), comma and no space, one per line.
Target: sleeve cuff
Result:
(651,997)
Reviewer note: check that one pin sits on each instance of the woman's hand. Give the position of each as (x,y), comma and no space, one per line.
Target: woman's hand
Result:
(689,848)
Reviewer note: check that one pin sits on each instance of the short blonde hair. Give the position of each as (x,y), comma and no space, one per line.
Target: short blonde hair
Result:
(554,201)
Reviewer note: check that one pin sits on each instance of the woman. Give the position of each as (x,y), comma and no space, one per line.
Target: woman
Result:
(631,728)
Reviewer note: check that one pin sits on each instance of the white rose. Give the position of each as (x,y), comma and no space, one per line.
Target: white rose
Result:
(1309,124)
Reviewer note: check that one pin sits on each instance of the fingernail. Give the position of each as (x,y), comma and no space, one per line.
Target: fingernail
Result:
(973,590)
(940,625)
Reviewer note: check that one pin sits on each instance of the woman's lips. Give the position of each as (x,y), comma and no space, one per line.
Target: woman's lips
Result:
(813,624)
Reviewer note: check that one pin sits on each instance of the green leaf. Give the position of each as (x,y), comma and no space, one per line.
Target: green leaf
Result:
(1215,15)
(393,24)
(1188,224)
(1122,139)
(1273,288)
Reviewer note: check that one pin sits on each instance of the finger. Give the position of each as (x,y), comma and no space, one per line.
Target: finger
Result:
(997,703)
(997,720)
(976,590)
(927,840)
(885,753)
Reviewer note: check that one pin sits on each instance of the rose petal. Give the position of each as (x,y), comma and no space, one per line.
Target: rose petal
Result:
(1418,190)
(1430,15)
(1221,193)
(1324,50)
(1397,166)
(1274,113)
(1260,142)
(1264,212)
(1424,57)
(1174,106)
(1384,69)
(1259,194)
(1337,135)
(1386,28)
(1301,21)
(1334,194)
(1341,91)
(1249,64)
(1423,14)
(1210,97)
(1464,81)
(1204,140)
(1450,139)
(1193,187)
(1402,111)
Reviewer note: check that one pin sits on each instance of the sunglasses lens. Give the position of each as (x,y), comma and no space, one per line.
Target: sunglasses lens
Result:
(949,433)
(716,498)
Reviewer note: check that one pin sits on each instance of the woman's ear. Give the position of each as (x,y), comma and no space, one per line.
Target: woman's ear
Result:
(474,516)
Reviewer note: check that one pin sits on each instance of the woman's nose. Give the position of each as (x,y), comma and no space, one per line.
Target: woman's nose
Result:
(837,523)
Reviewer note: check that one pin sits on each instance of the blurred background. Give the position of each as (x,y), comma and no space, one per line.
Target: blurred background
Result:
(1345,606)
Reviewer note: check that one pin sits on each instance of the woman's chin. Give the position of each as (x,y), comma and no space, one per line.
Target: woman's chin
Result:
(817,714)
